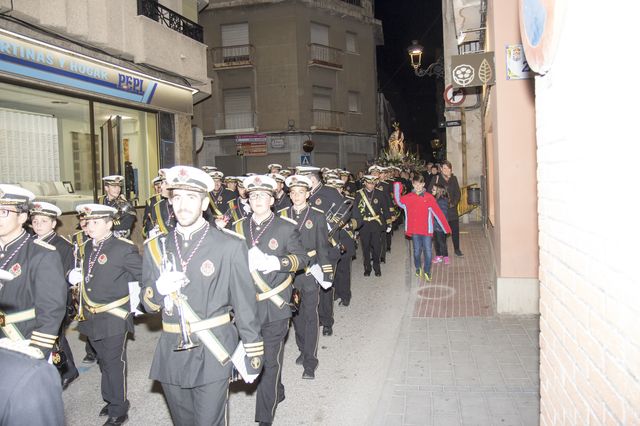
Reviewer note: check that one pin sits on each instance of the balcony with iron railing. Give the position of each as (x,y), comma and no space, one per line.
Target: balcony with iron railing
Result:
(328,120)
(238,122)
(240,56)
(353,2)
(469,47)
(325,56)
(170,19)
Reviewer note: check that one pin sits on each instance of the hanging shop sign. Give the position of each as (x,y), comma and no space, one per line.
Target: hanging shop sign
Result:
(251,145)
(28,58)
(473,69)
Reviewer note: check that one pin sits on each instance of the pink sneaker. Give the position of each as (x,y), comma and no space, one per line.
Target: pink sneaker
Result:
(437,259)
(446,260)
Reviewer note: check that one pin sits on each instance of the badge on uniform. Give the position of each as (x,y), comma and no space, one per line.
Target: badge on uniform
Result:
(375,201)
(273,244)
(318,201)
(255,362)
(16,270)
(102,259)
(219,198)
(308,224)
(207,268)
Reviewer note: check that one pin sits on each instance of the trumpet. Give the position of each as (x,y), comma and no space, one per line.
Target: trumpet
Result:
(77,264)
(335,219)
(169,265)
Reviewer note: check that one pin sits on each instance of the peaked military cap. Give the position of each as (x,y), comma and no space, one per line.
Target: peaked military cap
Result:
(95,211)
(45,209)
(116,180)
(298,181)
(15,195)
(260,183)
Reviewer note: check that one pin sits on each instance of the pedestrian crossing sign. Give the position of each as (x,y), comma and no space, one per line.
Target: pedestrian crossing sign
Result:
(305,160)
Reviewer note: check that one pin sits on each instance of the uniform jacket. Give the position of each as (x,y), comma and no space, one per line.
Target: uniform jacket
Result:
(115,264)
(219,282)
(421,211)
(368,205)
(64,249)
(218,201)
(312,225)
(38,283)
(281,239)
(236,210)
(126,214)
(328,199)
(282,203)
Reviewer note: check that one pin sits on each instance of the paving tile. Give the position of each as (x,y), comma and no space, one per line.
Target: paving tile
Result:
(507,420)
(445,403)
(446,420)
(442,378)
(396,405)
(393,420)
(510,371)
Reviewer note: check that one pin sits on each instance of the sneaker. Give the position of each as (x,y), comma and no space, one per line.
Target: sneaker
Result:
(426,276)
(446,260)
(418,273)
(437,259)
(459,253)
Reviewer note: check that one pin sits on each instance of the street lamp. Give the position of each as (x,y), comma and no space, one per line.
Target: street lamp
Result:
(415,54)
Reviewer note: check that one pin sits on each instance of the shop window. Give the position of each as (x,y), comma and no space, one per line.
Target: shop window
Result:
(167,139)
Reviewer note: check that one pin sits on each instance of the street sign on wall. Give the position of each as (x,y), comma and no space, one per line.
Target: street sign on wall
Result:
(473,69)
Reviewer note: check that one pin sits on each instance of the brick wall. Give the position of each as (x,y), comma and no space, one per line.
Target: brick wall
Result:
(587,113)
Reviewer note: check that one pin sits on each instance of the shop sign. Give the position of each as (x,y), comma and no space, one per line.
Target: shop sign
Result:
(251,145)
(473,69)
(24,57)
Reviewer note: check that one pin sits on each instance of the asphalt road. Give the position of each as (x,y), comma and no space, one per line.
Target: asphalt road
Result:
(349,378)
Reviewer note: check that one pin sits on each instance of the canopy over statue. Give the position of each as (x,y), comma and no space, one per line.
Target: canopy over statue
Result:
(396,140)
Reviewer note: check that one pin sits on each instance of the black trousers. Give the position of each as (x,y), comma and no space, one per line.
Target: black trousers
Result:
(325,307)
(112,359)
(305,322)
(200,406)
(342,279)
(70,369)
(440,243)
(370,237)
(270,387)
(455,233)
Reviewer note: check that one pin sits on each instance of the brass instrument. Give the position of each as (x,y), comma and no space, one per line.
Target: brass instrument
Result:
(78,263)
(169,265)
(335,219)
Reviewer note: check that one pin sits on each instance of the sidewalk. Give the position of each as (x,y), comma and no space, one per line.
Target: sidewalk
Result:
(456,362)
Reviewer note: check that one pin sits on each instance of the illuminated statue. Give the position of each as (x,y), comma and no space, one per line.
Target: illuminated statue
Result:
(396,140)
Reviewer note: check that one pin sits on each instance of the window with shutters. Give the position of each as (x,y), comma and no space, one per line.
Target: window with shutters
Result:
(320,53)
(354,102)
(351,46)
(238,113)
(319,34)
(322,98)
(323,115)
(235,43)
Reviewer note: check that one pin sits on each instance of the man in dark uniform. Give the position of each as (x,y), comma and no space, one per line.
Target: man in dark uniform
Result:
(33,292)
(231,183)
(274,168)
(220,196)
(125,215)
(109,263)
(281,199)
(159,217)
(312,225)
(371,212)
(385,188)
(204,270)
(275,254)
(349,187)
(44,218)
(239,207)
(329,201)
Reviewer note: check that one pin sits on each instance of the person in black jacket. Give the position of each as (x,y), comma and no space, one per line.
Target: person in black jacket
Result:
(43,221)
(447,179)
(109,263)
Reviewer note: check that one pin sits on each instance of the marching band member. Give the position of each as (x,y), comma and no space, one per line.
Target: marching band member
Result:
(199,274)
(125,213)
(280,196)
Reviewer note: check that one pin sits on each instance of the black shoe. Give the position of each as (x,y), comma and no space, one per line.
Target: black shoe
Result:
(344,302)
(300,359)
(327,331)
(383,260)
(104,411)
(367,273)
(66,381)
(389,249)
(459,253)
(116,421)
(265,424)
(378,274)
(89,359)
(309,374)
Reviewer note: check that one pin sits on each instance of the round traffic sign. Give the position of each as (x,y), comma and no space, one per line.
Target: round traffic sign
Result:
(454,96)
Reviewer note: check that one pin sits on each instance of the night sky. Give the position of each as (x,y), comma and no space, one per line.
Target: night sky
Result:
(413,98)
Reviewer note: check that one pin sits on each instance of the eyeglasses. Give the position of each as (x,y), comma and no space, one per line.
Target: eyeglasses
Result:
(259,195)
(5,213)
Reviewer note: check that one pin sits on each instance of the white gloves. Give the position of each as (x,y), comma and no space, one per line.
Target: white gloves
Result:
(170,282)
(22,346)
(388,229)
(5,275)
(75,276)
(325,284)
(259,261)
(246,207)
(316,271)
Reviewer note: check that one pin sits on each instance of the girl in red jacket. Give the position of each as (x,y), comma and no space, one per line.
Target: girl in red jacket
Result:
(420,210)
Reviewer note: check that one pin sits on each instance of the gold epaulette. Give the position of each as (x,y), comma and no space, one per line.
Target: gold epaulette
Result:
(126,240)
(317,209)
(289,220)
(148,240)
(282,211)
(65,238)
(233,234)
(43,244)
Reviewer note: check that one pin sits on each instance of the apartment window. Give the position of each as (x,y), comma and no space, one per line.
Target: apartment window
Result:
(351,45)
(354,102)
(319,34)
(322,98)
(238,113)
(235,42)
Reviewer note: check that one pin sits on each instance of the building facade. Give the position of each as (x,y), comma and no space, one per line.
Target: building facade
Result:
(89,89)
(286,72)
